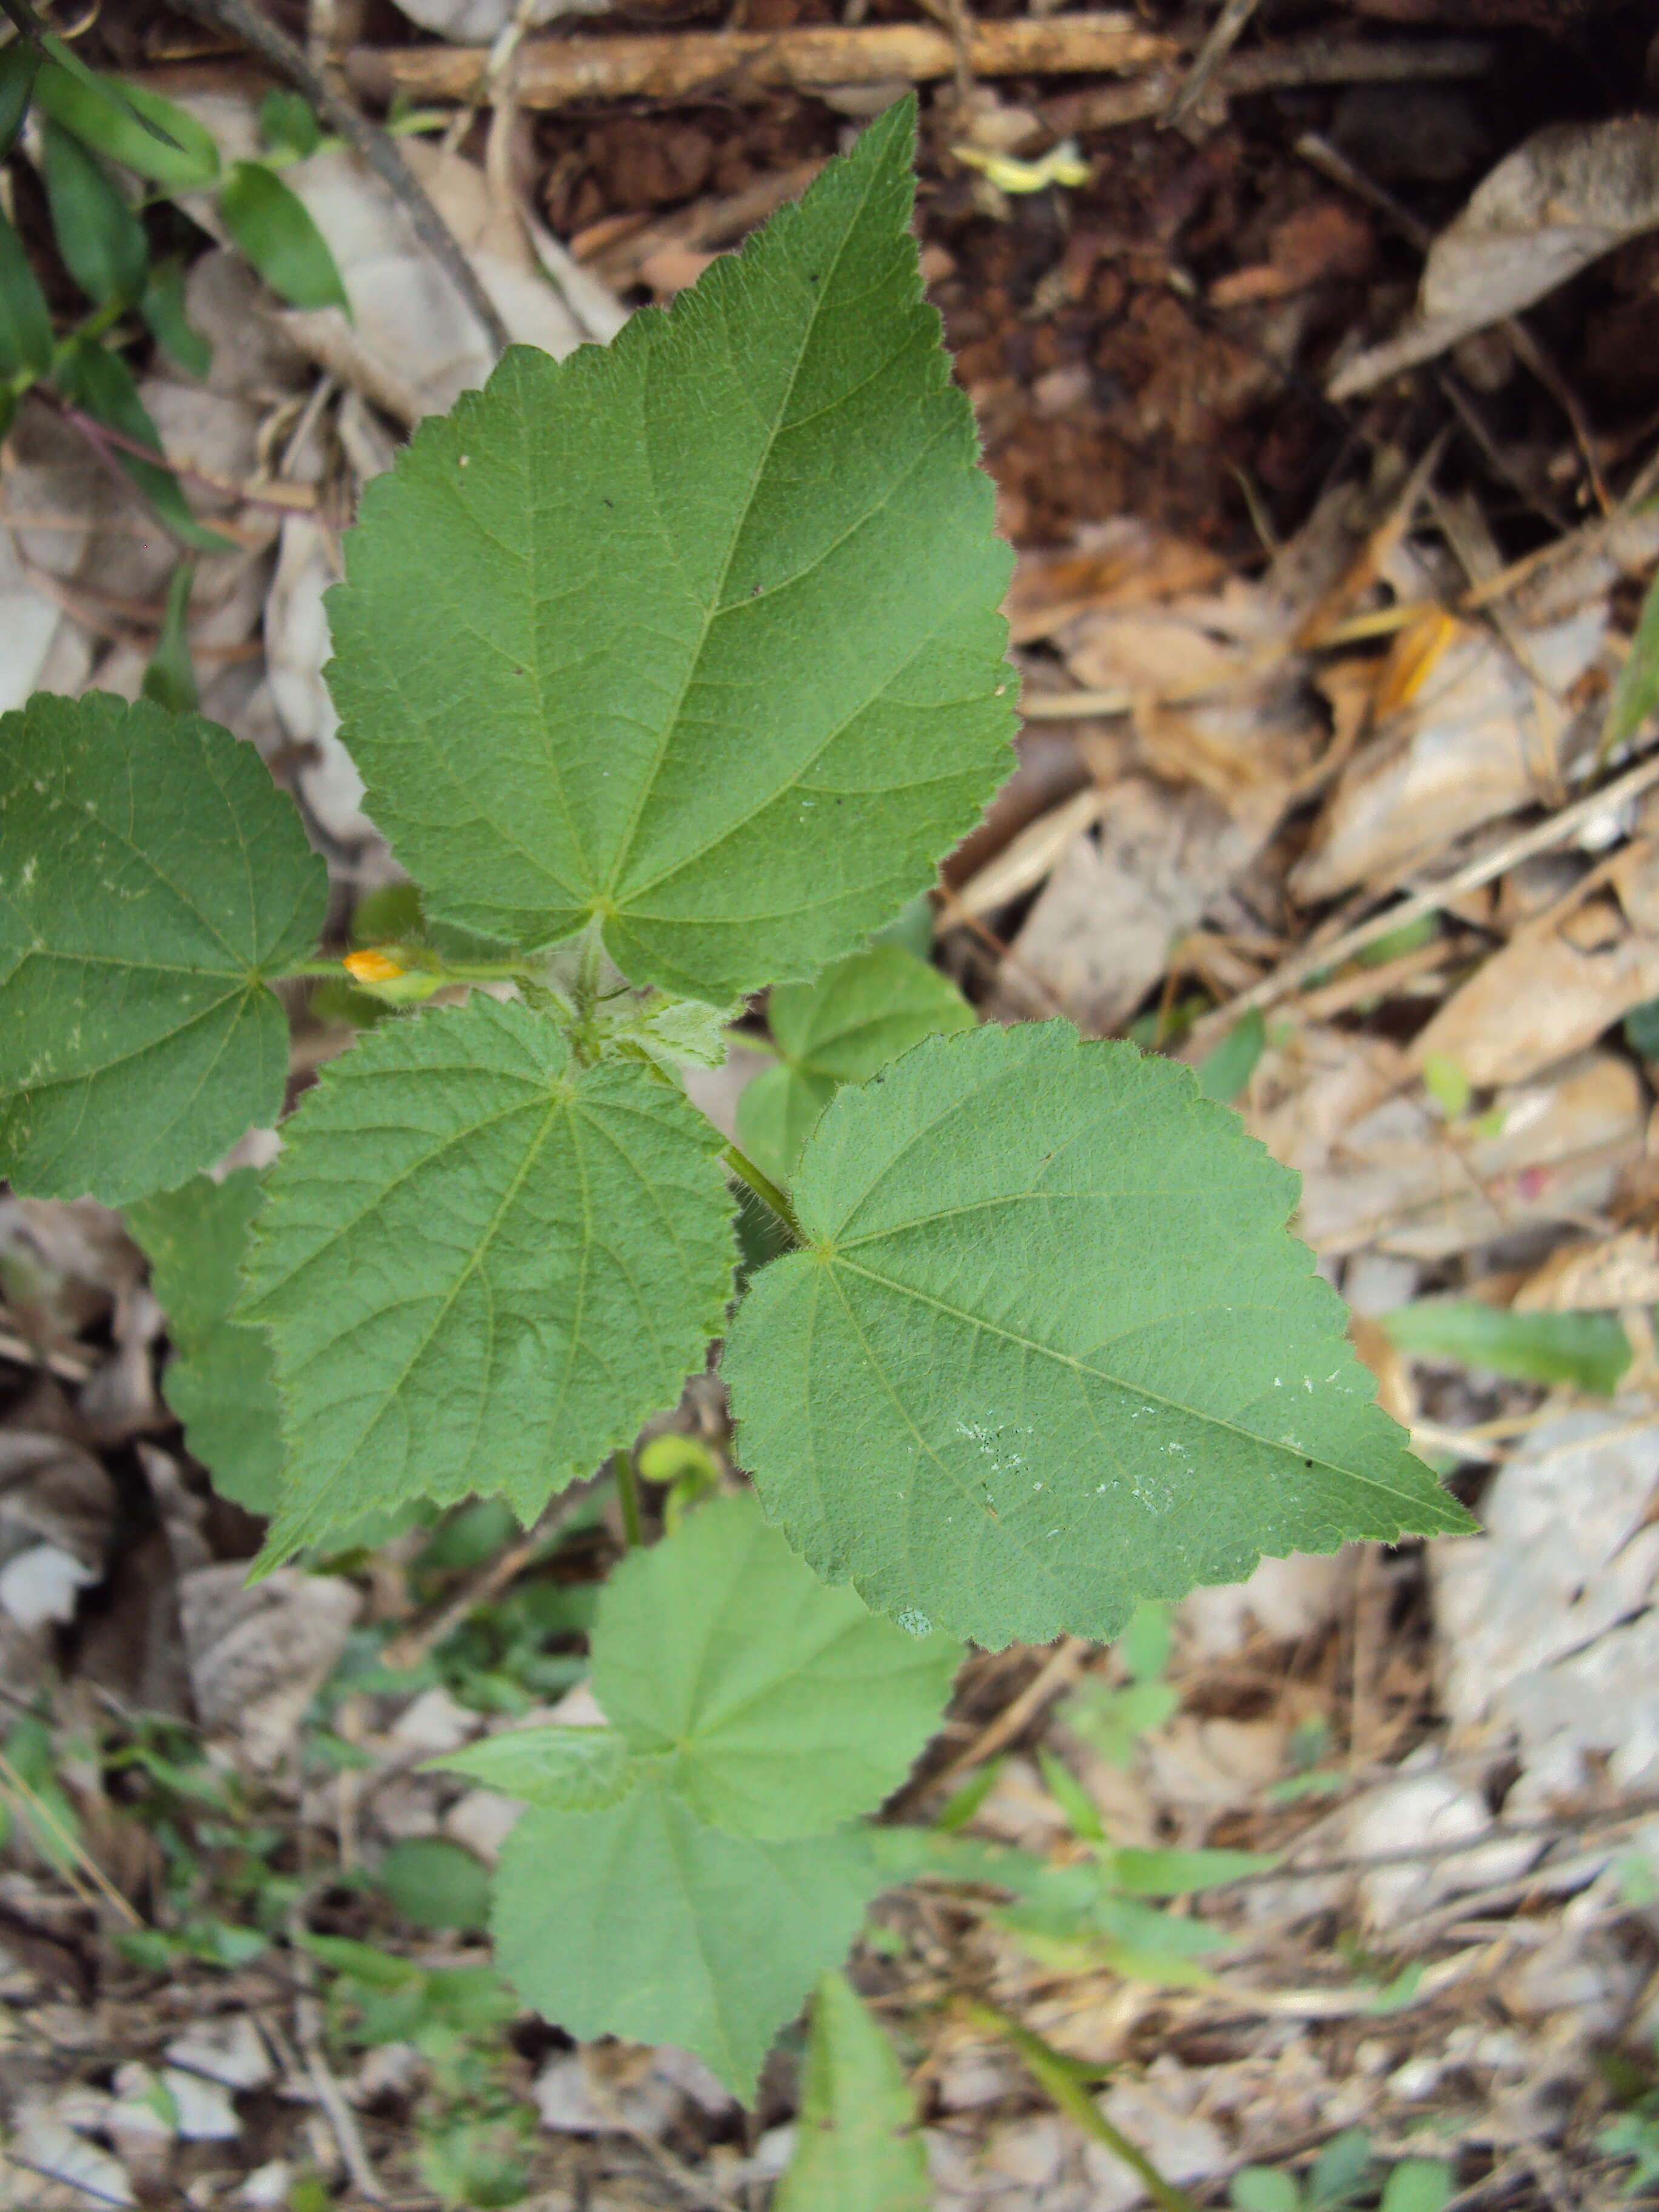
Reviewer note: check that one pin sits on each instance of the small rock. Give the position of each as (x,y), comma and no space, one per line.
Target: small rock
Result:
(41,1584)
(1183,2146)
(229,2050)
(205,2111)
(566,2101)
(388,2070)
(483,1820)
(266,2189)
(684,2071)
(47,2144)
(434,1722)
(972,2077)
(1428,1809)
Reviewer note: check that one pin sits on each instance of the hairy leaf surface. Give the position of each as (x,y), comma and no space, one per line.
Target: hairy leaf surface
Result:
(858,1014)
(856,2142)
(779,1707)
(567,1769)
(1051,1349)
(151,876)
(222,1379)
(697,632)
(482,1266)
(639,1921)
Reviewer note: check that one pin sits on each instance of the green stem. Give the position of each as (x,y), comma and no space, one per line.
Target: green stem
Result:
(1054,2074)
(628,1490)
(764,1189)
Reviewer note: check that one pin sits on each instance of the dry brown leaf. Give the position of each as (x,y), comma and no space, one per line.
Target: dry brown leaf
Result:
(57,1511)
(1570,194)
(1328,240)
(1479,740)
(1542,997)
(1594,1275)
(1098,939)
(1380,1168)
(1123,562)
(1030,855)
(259,1655)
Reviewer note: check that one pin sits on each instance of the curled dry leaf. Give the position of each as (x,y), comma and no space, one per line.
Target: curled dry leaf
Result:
(258,1656)
(1568,195)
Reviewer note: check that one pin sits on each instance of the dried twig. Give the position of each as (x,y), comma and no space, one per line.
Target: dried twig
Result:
(1542,837)
(274,47)
(1058,1671)
(1273,68)
(409,1648)
(309,2034)
(746,64)
(1224,34)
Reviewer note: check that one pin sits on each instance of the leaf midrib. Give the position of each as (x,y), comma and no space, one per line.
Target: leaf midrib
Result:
(712,611)
(1081,1367)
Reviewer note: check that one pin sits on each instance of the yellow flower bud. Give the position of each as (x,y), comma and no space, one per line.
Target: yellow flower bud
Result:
(371,967)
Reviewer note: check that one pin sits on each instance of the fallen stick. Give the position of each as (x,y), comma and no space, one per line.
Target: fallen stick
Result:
(1271,69)
(744,65)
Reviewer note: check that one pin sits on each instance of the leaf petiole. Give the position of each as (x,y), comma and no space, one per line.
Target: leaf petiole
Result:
(628,1493)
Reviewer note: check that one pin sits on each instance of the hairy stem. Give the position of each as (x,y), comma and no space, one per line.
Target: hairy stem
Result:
(764,1189)
(627,1491)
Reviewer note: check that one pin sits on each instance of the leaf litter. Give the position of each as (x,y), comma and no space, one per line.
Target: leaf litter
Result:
(1228,759)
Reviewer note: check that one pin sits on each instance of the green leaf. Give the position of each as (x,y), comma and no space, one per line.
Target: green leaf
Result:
(1264,2188)
(860,1013)
(111,115)
(162,307)
(638,1921)
(483,1268)
(289,123)
(1161,1873)
(1636,693)
(99,381)
(19,63)
(222,1379)
(698,633)
(1590,1350)
(1419,2185)
(1051,1349)
(780,1708)
(1447,1084)
(435,1883)
(856,2142)
(1339,2171)
(1224,1071)
(1641,1029)
(25,320)
(170,679)
(274,228)
(364,1962)
(153,877)
(101,240)
(563,1769)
